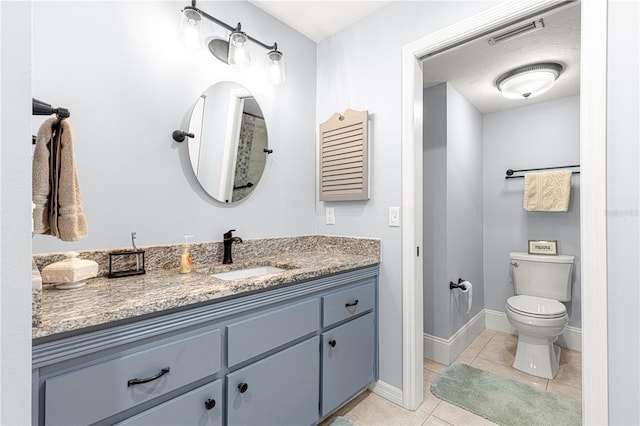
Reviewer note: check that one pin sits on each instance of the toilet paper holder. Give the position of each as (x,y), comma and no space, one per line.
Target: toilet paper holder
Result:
(453,285)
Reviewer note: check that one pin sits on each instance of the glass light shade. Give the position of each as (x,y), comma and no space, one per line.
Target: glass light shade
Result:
(527,85)
(190,29)
(275,68)
(239,56)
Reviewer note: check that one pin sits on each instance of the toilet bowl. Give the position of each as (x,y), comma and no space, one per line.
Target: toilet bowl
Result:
(539,321)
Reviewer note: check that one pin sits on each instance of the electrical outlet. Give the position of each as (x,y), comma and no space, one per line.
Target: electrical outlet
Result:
(329,216)
(394,216)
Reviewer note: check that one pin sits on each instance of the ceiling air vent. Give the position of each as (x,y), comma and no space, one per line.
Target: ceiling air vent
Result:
(517,32)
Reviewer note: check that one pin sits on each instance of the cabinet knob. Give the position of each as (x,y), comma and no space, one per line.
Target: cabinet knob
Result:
(332,343)
(210,403)
(242,387)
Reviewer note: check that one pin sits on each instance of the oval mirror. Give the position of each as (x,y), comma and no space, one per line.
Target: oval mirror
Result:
(229,149)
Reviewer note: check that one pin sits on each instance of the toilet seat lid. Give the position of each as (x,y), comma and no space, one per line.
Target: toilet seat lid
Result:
(534,306)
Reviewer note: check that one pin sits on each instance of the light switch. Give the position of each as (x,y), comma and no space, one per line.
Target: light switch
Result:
(329,216)
(394,216)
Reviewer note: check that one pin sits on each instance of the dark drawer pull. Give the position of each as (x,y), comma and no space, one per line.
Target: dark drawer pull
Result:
(332,343)
(242,387)
(132,382)
(351,304)
(210,403)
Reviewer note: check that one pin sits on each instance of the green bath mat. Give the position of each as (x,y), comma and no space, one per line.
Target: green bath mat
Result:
(504,401)
(342,421)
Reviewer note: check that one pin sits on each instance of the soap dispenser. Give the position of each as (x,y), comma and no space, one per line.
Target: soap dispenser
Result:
(185,260)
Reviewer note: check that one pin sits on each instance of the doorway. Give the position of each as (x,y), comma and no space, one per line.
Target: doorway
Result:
(593,191)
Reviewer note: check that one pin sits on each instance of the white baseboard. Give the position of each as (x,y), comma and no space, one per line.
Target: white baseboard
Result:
(445,351)
(496,320)
(387,391)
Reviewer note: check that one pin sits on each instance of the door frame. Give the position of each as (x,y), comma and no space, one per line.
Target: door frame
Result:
(593,184)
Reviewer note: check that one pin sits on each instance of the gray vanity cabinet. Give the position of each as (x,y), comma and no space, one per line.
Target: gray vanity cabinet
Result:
(290,355)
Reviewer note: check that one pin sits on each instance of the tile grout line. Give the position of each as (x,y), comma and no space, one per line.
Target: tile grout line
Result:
(484,346)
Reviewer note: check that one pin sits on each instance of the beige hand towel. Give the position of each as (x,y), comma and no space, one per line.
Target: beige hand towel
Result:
(56,191)
(41,183)
(547,191)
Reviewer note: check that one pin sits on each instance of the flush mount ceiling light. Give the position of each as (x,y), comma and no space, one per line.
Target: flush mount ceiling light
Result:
(235,50)
(528,81)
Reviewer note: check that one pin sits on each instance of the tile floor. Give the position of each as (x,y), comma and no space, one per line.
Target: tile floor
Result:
(490,351)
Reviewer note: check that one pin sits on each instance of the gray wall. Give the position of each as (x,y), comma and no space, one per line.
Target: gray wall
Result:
(129,83)
(360,68)
(464,206)
(452,207)
(623,190)
(465,196)
(434,208)
(540,135)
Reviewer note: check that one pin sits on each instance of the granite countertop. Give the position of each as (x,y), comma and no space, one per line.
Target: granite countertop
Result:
(105,300)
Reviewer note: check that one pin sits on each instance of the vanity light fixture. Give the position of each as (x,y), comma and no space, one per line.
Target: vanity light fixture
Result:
(529,81)
(235,50)
(190,28)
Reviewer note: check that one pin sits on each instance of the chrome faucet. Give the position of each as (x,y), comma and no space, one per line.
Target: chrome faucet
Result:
(228,240)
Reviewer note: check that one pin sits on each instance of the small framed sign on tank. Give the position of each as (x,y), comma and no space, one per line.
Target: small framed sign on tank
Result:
(543,247)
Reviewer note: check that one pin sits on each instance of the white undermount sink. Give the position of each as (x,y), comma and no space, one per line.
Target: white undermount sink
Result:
(247,273)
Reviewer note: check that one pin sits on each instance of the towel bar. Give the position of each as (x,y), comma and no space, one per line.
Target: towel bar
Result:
(510,172)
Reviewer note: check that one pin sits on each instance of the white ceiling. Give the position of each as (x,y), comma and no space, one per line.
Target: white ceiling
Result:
(319,19)
(473,68)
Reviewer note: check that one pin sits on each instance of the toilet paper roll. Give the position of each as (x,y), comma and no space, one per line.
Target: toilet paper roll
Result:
(468,288)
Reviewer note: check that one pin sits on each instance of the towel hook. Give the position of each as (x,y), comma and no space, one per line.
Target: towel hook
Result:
(179,135)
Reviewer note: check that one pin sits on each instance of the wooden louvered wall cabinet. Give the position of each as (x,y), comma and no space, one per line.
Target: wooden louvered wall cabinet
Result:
(344,157)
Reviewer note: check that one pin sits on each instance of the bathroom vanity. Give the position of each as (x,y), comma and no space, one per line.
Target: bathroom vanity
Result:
(276,349)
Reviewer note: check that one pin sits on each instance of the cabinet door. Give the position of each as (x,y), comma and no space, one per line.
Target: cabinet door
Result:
(282,389)
(348,354)
(201,406)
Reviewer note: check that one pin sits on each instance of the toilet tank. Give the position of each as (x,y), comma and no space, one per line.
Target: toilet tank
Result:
(543,276)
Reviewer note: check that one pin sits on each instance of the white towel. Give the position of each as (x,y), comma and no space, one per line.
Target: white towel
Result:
(55,188)
(547,191)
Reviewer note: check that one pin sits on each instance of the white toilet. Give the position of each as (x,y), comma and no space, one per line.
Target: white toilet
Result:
(541,283)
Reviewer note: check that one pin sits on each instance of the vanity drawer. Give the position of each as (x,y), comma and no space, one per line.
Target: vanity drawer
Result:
(99,391)
(348,303)
(270,330)
(201,406)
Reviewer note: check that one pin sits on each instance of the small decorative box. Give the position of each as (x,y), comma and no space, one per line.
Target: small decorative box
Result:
(129,262)
(70,272)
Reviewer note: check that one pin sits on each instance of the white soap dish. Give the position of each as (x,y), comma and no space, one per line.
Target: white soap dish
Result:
(69,286)
(71,272)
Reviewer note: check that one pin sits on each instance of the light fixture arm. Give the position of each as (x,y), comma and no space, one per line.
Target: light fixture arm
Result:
(215,20)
